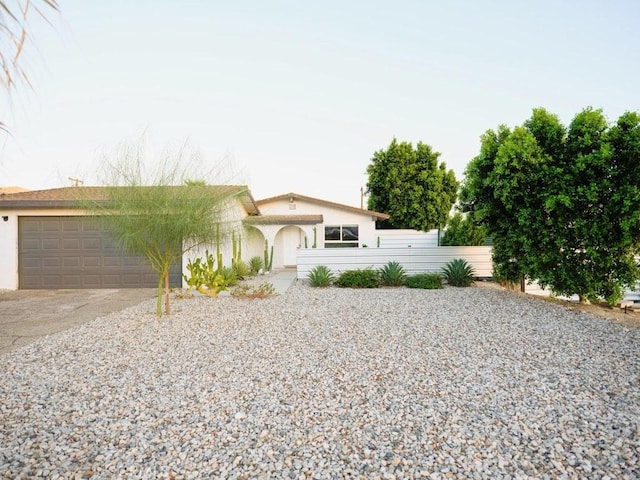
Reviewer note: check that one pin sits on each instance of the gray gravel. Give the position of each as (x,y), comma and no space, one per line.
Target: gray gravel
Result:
(328,383)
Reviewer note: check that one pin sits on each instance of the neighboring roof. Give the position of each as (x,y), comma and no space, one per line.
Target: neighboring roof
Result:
(68,197)
(8,190)
(287,196)
(284,220)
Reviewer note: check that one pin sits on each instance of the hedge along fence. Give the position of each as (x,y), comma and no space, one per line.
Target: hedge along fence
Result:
(414,260)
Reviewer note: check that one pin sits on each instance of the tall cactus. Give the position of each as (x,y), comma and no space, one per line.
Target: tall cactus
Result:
(218,252)
(234,248)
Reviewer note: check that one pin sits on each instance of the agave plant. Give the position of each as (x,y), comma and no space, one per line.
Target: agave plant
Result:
(392,275)
(320,276)
(458,273)
(255,264)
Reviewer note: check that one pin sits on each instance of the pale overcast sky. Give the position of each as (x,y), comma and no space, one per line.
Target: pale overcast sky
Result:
(298,95)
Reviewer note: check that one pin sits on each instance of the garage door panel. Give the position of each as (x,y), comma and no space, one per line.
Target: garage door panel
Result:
(131,261)
(91,244)
(51,244)
(72,281)
(28,245)
(73,252)
(51,226)
(92,261)
(50,281)
(32,262)
(71,225)
(72,262)
(51,262)
(89,225)
(71,243)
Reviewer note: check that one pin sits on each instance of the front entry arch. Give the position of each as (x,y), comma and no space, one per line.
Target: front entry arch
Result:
(287,242)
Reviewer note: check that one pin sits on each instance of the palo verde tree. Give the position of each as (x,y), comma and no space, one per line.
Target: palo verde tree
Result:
(562,204)
(14,36)
(411,186)
(161,214)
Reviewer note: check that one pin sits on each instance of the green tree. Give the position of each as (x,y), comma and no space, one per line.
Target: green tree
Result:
(13,30)
(411,186)
(462,231)
(161,214)
(562,204)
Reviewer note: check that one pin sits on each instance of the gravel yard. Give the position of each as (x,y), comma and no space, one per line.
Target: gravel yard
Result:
(328,383)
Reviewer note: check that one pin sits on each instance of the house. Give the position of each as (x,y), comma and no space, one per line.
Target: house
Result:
(48,241)
(293,221)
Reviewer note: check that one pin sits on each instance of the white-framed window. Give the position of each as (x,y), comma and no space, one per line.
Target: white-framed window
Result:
(338,236)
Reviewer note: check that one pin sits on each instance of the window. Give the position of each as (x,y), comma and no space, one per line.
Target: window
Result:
(337,236)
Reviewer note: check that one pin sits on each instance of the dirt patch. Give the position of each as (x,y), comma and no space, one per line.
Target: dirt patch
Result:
(616,314)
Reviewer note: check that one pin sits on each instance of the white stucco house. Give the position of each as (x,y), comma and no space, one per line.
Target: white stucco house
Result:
(293,221)
(47,241)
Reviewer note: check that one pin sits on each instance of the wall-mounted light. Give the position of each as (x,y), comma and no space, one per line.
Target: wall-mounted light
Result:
(5,218)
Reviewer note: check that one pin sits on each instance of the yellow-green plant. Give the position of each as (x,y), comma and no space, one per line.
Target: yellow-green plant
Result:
(204,277)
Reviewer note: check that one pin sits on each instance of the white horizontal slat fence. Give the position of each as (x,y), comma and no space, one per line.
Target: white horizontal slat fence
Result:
(407,238)
(414,260)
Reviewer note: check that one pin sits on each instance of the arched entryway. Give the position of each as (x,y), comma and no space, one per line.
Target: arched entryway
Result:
(287,242)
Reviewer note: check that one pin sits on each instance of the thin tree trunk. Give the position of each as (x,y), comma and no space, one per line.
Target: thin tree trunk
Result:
(159,299)
(167,308)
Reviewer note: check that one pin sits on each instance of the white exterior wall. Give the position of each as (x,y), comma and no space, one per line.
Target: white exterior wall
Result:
(331,215)
(9,241)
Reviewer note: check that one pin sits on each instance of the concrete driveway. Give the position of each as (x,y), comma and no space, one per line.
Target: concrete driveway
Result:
(26,315)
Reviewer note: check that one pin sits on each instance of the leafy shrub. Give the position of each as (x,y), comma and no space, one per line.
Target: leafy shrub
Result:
(367,278)
(458,273)
(263,290)
(428,281)
(462,231)
(320,276)
(392,275)
(255,264)
(241,269)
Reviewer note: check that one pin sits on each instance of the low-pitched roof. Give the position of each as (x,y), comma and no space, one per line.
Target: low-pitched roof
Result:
(286,196)
(284,220)
(12,189)
(68,197)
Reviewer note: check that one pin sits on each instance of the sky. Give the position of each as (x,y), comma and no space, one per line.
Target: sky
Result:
(291,96)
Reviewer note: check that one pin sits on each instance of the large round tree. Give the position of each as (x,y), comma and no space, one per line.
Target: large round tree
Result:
(561,203)
(411,186)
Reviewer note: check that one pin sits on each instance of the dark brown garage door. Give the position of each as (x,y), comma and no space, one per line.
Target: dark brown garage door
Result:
(74,252)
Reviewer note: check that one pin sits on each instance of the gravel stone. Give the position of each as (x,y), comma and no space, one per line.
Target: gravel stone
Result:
(325,384)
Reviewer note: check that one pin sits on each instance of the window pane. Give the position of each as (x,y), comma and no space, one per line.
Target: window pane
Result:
(341,245)
(332,233)
(350,233)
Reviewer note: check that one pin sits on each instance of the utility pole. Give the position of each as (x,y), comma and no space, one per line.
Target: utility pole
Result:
(361,198)
(76,181)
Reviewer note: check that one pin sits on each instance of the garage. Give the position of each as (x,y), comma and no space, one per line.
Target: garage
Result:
(75,252)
